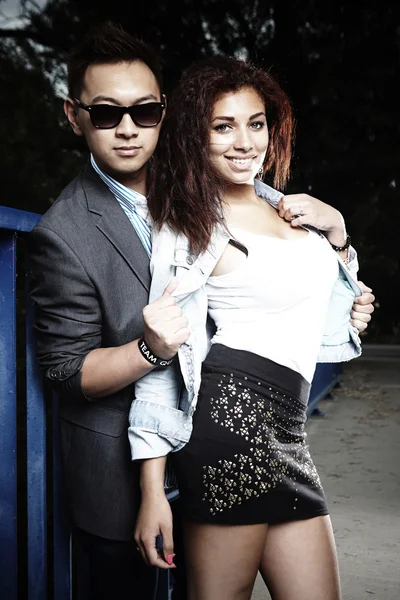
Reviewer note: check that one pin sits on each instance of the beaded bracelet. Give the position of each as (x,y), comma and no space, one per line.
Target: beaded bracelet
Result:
(344,247)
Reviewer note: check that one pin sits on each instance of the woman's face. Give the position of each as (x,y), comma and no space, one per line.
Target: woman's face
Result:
(239,135)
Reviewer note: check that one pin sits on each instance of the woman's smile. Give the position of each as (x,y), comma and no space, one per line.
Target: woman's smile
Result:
(241,164)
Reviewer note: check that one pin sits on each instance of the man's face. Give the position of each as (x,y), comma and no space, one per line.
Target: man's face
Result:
(123,151)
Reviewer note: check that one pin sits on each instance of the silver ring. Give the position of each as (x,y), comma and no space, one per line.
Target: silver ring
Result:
(299,213)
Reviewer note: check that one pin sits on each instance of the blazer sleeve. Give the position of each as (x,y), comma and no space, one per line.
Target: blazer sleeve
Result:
(67,310)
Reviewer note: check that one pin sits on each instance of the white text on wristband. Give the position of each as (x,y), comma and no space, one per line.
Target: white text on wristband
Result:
(149,355)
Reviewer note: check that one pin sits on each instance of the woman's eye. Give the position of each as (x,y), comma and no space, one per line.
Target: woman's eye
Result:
(257,124)
(221,128)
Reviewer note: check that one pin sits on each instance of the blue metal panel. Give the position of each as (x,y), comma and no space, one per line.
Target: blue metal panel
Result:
(36,468)
(17,220)
(325,377)
(8,434)
(164,586)
(61,540)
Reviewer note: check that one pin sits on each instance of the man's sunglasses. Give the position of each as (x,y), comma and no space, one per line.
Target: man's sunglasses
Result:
(107,116)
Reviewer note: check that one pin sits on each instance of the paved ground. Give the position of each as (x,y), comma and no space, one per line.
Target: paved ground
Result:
(356,448)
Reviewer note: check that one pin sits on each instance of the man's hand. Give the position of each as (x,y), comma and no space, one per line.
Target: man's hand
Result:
(155,518)
(165,326)
(362,308)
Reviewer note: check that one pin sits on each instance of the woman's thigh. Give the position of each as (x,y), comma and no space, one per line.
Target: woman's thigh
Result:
(299,561)
(222,560)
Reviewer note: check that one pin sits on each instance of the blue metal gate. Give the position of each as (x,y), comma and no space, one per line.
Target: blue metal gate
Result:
(26,523)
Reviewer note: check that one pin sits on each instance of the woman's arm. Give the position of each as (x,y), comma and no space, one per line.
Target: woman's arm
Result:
(302,209)
(155,516)
(326,218)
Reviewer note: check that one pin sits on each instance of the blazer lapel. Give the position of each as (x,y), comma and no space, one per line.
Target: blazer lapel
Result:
(115,225)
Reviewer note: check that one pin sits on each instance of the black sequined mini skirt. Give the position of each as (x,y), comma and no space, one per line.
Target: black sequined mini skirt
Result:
(247,460)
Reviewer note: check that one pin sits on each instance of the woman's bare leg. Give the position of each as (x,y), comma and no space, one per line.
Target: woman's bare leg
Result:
(222,560)
(299,561)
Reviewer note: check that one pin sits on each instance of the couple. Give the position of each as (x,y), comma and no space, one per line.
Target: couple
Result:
(268,270)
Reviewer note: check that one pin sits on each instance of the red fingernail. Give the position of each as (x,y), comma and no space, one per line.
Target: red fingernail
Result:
(170,558)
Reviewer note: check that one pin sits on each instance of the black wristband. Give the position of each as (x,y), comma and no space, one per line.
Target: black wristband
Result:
(344,247)
(149,355)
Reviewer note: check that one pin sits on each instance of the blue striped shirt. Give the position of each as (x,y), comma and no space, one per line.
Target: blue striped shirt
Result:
(132,203)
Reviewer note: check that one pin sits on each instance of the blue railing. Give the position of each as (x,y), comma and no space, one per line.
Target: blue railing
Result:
(34,540)
(35,553)
(326,377)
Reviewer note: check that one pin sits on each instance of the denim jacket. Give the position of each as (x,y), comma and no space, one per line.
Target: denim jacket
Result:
(165,400)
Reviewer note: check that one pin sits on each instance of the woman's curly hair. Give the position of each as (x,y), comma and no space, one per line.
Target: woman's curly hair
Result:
(185,191)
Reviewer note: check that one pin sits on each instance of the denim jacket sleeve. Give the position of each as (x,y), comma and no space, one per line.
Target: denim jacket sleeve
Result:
(341,341)
(160,420)
(156,424)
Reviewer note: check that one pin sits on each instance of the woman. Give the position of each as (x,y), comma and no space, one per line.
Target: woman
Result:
(275,287)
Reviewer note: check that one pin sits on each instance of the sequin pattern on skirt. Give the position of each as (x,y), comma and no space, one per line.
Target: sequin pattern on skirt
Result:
(256,419)
(247,460)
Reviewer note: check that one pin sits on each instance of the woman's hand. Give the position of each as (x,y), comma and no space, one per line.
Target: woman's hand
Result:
(155,518)
(362,308)
(302,209)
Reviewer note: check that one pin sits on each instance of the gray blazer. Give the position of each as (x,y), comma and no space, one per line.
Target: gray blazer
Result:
(90,282)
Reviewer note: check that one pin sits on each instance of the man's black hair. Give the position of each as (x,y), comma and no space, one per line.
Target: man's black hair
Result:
(108,43)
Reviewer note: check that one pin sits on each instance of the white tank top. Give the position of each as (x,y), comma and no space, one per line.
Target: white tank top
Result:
(275,303)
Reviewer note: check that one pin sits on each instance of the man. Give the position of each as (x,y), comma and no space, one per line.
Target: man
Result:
(90,264)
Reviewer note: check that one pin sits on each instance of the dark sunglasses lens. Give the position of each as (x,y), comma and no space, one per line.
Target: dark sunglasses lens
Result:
(105,116)
(147,115)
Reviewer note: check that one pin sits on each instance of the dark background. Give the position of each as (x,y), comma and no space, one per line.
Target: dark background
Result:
(338,62)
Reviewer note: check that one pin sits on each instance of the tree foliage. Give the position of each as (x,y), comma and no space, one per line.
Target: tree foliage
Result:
(337,61)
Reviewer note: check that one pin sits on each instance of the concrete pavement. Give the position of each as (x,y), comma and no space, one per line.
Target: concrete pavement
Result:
(356,448)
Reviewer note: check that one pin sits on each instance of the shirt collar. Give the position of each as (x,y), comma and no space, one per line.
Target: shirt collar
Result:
(118,189)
